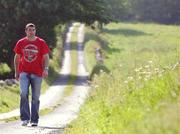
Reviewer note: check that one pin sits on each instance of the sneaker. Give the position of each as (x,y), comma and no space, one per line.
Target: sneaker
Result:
(34,124)
(25,123)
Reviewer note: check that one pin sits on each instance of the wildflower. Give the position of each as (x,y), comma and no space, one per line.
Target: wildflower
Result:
(173,94)
(130,78)
(101,71)
(96,86)
(162,71)
(147,66)
(111,74)
(143,72)
(156,70)
(136,70)
(148,73)
(176,65)
(120,65)
(126,82)
(140,68)
(148,76)
(150,62)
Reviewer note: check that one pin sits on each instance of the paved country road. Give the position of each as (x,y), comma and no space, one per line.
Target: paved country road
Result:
(56,121)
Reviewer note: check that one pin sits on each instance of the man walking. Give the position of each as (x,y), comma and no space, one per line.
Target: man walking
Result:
(31,63)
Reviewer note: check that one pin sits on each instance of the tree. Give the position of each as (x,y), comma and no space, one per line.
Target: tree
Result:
(46,14)
(162,11)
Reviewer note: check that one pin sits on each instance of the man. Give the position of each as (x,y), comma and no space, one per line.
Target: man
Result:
(31,63)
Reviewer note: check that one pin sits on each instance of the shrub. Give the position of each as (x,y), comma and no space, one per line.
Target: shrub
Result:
(4,69)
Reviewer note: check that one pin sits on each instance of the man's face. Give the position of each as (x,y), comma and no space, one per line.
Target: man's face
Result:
(30,31)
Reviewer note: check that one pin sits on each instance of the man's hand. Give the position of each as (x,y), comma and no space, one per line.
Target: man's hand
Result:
(45,64)
(45,73)
(16,65)
(16,76)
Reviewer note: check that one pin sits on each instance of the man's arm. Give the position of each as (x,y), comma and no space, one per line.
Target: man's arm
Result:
(45,65)
(16,65)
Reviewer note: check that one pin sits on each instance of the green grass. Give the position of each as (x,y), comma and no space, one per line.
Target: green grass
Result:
(140,92)
(9,98)
(4,69)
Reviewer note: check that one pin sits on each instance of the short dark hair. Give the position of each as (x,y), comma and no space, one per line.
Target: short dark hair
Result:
(30,25)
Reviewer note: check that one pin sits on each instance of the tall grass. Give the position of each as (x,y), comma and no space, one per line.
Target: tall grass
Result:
(140,94)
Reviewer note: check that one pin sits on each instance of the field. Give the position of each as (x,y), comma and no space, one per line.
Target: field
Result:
(137,90)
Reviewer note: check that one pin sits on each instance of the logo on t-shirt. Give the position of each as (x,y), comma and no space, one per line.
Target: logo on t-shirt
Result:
(30,52)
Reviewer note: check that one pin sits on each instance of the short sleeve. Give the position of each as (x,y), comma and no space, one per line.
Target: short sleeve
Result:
(17,48)
(45,48)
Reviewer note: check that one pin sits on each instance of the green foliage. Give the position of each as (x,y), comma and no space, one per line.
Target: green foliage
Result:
(118,9)
(162,11)
(4,69)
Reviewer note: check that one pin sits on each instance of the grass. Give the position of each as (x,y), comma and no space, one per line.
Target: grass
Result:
(9,98)
(140,92)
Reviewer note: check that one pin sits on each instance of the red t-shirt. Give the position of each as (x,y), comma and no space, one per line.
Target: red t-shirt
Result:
(31,55)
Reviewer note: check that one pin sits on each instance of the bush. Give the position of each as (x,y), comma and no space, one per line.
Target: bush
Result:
(4,69)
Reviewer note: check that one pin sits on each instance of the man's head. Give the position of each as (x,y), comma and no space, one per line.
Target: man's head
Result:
(30,25)
(30,30)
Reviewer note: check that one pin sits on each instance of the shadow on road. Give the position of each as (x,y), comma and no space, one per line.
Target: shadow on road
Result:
(46,127)
(63,80)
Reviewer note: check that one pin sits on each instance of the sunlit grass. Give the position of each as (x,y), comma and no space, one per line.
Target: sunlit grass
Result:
(9,98)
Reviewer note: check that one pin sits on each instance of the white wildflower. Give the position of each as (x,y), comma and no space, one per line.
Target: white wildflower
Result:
(96,86)
(130,78)
(150,62)
(140,68)
(147,66)
(148,73)
(173,94)
(101,71)
(120,65)
(148,76)
(136,70)
(126,82)
(143,72)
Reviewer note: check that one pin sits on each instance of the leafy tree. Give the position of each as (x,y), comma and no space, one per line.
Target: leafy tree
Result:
(118,9)
(45,14)
(162,11)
